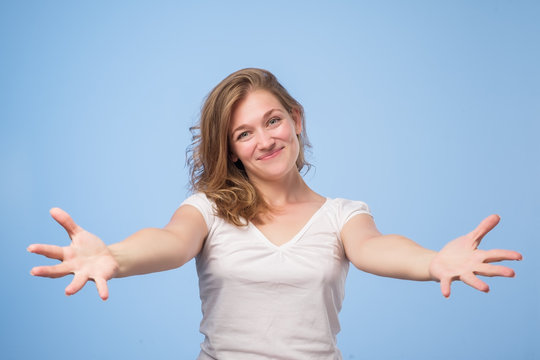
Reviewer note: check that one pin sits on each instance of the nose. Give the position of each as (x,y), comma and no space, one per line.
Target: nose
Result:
(265,141)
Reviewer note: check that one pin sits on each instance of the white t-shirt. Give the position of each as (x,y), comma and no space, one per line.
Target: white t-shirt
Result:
(263,301)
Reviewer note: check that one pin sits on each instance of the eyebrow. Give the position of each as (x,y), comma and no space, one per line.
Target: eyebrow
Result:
(265,115)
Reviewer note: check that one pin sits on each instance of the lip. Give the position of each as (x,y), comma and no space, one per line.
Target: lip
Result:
(270,155)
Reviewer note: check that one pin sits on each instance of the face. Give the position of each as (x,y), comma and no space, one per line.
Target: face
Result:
(263,136)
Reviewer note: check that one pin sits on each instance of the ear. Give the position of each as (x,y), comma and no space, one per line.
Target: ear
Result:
(233,157)
(297,118)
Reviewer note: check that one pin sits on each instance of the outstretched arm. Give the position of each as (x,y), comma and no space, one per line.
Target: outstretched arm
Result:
(152,250)
(398,257)
(149,250)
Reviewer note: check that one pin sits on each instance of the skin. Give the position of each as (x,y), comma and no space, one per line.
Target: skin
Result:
(263,137)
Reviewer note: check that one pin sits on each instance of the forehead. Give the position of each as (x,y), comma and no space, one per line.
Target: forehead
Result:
(254,106)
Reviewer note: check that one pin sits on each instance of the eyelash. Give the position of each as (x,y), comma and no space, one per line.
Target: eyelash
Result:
(242,135)
(272,121)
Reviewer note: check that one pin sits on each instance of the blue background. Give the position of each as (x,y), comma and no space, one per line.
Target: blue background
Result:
(427,110)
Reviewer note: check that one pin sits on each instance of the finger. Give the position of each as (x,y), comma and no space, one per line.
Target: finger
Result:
(50,251)
(445,287)
(472,280)
(500,255)
(54,271)
(65,220)
(102,288)
(494,270)
(76,284)
(484,227)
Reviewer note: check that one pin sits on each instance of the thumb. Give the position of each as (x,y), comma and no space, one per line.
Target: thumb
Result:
(445,287)
(65,220)
(484,227)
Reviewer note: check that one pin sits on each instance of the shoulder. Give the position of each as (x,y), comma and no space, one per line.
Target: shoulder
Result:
(344,209)
(205,206)
(197,198)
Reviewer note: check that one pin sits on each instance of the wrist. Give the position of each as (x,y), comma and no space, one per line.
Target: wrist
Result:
(116,254)
(431,261)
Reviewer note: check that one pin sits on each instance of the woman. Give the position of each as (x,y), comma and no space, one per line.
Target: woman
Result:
(272,255)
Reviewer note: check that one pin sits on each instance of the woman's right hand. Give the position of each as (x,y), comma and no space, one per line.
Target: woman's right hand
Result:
(87,257)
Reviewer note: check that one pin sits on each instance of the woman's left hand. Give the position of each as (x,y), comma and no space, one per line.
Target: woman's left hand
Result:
(461,259)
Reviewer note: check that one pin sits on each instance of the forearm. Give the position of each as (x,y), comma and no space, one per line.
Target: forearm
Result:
(149,250)
(393,256)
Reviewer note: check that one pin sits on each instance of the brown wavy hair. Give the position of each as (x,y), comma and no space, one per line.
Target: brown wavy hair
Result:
(212,171)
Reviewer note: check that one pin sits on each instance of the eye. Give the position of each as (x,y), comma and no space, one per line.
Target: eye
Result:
(242,135)
(273,121)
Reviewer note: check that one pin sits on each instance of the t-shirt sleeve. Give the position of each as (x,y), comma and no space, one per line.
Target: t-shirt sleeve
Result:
(350,208)
(205,207)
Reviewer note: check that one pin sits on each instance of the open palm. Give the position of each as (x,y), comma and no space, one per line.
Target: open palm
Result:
(461,259)
(87,257)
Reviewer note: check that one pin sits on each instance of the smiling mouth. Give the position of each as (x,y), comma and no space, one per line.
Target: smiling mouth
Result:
(270,154)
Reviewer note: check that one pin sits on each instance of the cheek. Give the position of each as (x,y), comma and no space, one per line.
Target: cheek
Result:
(240,150)
(233,152)
(291,134)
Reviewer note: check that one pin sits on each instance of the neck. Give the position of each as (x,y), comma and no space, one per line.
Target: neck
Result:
(290,189)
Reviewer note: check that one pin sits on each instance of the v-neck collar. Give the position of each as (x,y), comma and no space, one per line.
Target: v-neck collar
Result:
(296,237)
